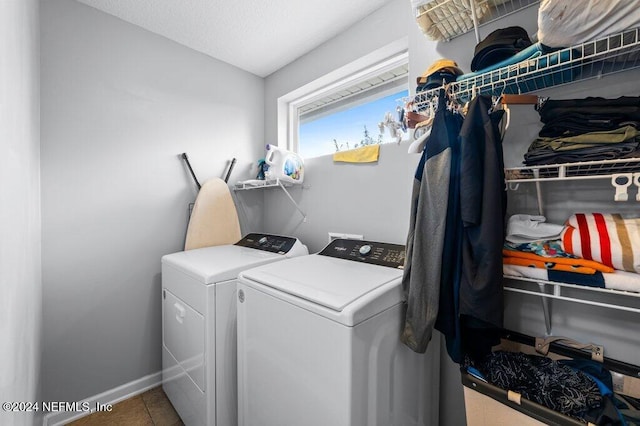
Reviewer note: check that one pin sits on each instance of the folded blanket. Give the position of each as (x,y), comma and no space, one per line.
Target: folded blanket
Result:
(592,146)
(547,265)
(616,280)
(586,140)
(583,266)
(605,238)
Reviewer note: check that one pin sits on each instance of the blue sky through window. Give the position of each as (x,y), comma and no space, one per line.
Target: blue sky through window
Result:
(347,127)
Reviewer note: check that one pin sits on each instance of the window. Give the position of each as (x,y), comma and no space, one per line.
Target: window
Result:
(345,109)
(342,129)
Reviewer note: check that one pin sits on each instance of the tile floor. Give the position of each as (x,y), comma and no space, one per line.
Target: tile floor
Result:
(151,408)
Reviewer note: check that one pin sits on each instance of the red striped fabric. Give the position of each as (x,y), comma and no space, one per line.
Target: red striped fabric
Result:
(567,239)
(585,241)
(605,242)
(606,238)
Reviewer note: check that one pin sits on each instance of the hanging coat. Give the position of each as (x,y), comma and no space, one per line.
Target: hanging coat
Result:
(483,203)
(425,240)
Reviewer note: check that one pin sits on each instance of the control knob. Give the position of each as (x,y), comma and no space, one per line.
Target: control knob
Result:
(262,241)
(365,250)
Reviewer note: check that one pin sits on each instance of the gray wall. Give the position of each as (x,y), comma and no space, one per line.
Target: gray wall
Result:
(20,273)
(118,106)
(369,199)
(373,200)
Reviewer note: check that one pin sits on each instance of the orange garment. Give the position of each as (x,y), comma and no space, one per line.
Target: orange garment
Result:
(547,265)
(584,266)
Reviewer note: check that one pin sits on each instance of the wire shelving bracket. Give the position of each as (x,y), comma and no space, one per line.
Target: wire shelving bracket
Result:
(270,183)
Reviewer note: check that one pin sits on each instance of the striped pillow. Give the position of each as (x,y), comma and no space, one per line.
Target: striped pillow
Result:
(605,238)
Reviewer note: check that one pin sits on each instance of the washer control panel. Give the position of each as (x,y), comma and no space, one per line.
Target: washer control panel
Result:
(375,253)
(267,242)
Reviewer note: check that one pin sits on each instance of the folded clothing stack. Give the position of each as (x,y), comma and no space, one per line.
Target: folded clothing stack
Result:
(590,129)
(592,249)
(532,242)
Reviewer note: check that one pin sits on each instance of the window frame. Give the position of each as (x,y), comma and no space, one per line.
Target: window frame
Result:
(375,63)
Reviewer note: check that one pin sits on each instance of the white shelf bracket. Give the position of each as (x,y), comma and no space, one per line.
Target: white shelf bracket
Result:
(257,184)
(304,216)
(474,18)
(536,175)
(546,308)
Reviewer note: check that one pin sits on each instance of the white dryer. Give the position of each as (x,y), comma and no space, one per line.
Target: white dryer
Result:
(319,342)
(199,324)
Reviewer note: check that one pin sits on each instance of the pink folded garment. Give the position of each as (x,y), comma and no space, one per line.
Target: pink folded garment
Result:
(606,238)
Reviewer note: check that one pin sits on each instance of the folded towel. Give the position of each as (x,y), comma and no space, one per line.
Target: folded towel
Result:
(605,238)
(537,264)
(584,266)
(365,154)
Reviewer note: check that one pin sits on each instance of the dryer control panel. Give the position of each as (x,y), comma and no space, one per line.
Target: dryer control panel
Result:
(375,253)
(268,242)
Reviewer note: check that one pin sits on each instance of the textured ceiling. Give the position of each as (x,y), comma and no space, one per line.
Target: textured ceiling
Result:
(259,36)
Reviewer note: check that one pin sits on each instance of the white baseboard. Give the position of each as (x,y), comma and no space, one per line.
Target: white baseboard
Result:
(111,396)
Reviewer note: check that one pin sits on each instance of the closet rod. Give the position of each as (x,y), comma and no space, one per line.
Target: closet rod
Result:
(519,99)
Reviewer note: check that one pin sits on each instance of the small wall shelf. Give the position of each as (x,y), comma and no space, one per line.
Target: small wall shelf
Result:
(269,183)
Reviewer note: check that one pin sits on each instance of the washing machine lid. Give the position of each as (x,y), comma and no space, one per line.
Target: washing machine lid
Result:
(348,290)
(221,263)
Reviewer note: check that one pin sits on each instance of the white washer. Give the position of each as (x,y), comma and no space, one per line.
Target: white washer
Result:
(199,324)
(319,342)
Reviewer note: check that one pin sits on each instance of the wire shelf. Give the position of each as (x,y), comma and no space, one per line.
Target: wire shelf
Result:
(448,19)
(270,183)
(603,169)
(259,183)
(630,297)
(615,53)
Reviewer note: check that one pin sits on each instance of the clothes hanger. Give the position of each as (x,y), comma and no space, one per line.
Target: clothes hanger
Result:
(452,100)
(417,146)
(499,104)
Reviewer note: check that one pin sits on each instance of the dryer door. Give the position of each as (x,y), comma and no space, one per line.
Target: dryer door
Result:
(183,336)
